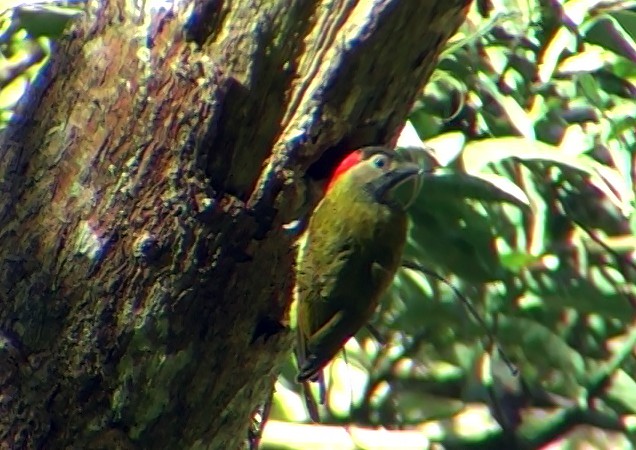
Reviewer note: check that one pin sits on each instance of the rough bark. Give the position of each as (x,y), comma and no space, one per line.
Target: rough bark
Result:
(142,196)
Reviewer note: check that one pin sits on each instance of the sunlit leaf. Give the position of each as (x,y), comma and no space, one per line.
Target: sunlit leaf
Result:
(590,60)
(516,261)
(622,389)
(518,117)
(477,154)
(563,40)
(447,146)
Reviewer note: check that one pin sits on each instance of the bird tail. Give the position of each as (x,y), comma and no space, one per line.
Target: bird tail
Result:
(308,396)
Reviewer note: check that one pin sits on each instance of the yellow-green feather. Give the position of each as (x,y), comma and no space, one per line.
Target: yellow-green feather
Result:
(351,251)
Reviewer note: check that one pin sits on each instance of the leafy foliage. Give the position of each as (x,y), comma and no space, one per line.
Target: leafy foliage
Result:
(531,216)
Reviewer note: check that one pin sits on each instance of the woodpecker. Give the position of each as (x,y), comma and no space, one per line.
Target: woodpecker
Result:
(349,254)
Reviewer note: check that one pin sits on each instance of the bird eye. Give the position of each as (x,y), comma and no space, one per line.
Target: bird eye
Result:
(380,161)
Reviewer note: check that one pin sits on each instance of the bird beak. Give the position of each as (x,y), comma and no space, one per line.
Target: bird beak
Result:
(381,187)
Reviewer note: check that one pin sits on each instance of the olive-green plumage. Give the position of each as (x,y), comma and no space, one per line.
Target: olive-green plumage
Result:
(351,250)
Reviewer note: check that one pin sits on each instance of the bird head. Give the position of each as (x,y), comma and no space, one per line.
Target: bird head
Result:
(378,170)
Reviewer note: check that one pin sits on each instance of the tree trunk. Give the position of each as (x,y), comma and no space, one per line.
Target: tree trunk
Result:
(144,187)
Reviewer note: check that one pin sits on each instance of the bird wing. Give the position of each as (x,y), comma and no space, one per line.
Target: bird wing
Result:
(339,307)
(342,269)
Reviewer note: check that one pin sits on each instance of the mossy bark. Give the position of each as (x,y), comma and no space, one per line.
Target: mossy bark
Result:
(144,186)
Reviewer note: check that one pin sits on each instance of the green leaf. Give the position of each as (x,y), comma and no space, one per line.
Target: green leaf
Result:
(459,186)
(417,405)
(590,60)
(477,154)
(451,234)
(583,296)
(622,389)
(517,260)
(420,307)
(608,32)
(519,119)
(546,354)
(49,21)
(562,40)
(591,90)
(627,19)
